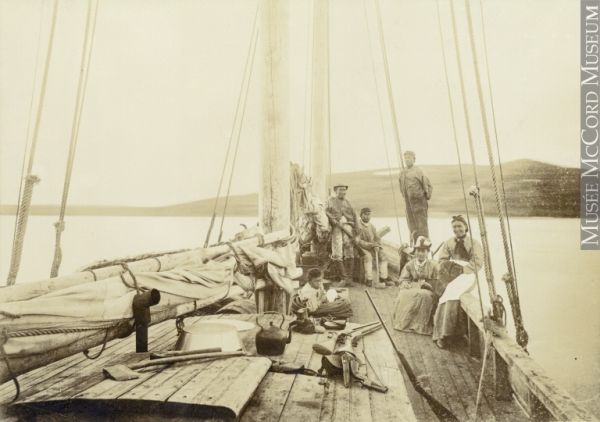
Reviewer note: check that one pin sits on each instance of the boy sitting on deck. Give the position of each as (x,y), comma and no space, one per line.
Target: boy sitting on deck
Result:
(313,297)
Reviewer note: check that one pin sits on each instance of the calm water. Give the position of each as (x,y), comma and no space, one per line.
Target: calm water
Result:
(559,284)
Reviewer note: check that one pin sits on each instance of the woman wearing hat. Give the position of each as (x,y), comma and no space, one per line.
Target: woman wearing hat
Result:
(415,301)
(459,258)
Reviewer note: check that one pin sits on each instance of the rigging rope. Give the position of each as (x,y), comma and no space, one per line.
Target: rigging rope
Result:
(231,135)
(27,133)
(307,84)
(30,179)
(383,132)
(493,112)
(455,135)
(86,56)
(510,278)
(392,106)
(247,71)
(329,138)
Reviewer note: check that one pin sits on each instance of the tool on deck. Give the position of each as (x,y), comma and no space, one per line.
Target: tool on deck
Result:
(291,368)
(339,355)
(328,346)
(169,353)
(122,372)
(442,413)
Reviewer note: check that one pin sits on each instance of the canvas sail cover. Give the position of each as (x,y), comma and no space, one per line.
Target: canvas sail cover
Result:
(98,304)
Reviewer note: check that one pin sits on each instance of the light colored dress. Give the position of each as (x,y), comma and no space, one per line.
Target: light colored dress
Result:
(414,304)
(447,319)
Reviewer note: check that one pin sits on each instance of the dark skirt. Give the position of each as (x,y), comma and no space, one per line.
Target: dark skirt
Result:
(448,321)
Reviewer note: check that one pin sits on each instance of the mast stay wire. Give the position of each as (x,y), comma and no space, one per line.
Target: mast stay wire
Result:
(248,72)
(509,278)
(383,131)
(231,134)
(480,213)
(30,180)
(28,131)
(86,56)
(392,106)
(493,113)
(453,122)
(486,132)
(455,136)
(310,36)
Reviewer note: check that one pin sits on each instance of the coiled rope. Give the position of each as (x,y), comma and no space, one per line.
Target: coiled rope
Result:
(86,55)
(24,206)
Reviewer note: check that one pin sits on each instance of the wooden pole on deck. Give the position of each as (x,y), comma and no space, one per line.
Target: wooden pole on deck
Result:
(274,191)
(320,159)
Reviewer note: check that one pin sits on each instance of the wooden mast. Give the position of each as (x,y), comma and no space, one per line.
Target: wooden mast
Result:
(274,190)
(320,130)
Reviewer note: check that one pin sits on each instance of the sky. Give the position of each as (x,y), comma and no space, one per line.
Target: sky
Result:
(165,76)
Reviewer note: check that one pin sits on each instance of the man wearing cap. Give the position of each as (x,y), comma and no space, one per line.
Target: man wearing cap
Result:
(416,189)
(369,242)
(342,215)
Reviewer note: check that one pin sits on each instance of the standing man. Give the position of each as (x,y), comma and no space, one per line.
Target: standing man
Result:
(370,243)
(416,189)
(343,220)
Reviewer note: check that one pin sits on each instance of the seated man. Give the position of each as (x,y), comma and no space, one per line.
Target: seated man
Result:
(313,297)
(415,302)
(369,242)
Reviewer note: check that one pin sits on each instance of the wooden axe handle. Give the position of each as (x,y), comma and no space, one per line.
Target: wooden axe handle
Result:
(175,359)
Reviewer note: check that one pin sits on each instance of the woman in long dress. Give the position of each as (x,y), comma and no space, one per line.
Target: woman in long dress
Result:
(415,301)
(459,258)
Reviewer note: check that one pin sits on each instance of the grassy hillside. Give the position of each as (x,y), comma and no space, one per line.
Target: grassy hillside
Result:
(532,189)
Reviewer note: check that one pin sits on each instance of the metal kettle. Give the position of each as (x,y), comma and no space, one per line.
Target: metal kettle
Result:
(272,339)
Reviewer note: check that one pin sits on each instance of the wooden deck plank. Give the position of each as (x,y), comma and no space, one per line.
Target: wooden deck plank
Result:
(195,386)
(365,312)
(434,359)
(48,372)
(77,378)
(305,400)
(269,399)
(235,387)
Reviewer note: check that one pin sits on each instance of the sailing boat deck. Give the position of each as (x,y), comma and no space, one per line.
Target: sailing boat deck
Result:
(452,374)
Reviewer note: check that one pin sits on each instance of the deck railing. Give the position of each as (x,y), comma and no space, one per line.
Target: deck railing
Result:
(516,373)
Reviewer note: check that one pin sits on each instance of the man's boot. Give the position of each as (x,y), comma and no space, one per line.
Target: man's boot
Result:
(338,267)
(348,273)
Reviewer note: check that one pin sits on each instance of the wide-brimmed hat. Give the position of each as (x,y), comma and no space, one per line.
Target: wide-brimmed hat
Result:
(421,243)
(336,187)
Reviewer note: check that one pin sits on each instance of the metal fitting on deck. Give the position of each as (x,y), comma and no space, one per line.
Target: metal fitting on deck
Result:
(141,313)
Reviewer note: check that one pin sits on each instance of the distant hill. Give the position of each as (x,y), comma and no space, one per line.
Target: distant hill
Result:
(532,188)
